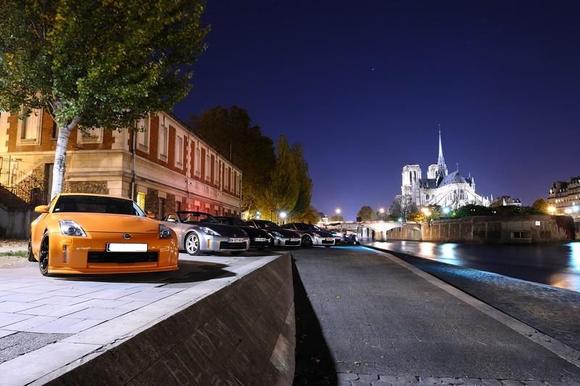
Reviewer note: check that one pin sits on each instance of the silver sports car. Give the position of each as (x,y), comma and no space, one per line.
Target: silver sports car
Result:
(199,232)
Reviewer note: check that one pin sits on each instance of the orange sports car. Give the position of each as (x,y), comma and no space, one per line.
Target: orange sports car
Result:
(96,234)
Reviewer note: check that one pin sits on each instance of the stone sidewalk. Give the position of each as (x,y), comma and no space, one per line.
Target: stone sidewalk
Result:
(65,318)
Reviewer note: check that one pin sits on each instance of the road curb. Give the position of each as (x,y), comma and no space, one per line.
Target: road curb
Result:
(562,350)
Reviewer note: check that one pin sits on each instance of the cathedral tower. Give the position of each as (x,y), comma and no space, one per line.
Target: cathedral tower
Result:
(441,166)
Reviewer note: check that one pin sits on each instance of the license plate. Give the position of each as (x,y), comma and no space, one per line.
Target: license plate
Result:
(260,239)
(126,247)
(329,239)
(294,239)
(237,240)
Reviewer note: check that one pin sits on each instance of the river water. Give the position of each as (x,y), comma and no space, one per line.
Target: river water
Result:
(557,265)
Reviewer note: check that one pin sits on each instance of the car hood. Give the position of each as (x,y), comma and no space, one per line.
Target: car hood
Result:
(255,232)
(107,222)
(324,234)
(224,230)
(285,232)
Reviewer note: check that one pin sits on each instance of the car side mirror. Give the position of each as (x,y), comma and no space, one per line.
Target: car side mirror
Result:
(41,209)
(150,214)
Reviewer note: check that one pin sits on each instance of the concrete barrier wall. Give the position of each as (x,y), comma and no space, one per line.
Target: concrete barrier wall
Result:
(489,229)
(244,334)
(15,224)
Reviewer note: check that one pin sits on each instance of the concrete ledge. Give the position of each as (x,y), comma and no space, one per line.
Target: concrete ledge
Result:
(233,330)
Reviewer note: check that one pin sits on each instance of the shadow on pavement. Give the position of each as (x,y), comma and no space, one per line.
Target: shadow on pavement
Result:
(314,362)
(189,272)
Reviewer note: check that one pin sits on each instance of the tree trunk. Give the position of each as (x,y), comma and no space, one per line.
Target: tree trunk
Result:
(60,157)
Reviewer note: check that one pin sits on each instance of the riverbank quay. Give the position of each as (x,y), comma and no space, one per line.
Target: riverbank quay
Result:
(219,319)
(529,229)
(385,322)
(551,310)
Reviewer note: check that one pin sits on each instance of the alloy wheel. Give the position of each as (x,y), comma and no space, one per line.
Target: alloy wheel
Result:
(44,256)
(192,244)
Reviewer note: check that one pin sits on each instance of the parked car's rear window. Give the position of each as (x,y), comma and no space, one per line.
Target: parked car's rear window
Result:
(96,204)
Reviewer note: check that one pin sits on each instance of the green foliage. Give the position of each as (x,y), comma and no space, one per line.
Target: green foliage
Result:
(302,205)
(231,132)
(541,206)
(366,213)
(336,218)
(105,63)
(282,192)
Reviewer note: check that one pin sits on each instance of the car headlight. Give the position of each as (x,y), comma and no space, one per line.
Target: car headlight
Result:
(71,228)
(275,234)
(164,232)
(209,231)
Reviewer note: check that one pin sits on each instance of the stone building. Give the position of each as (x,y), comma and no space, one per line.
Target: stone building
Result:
(451,190)
(164,166)
(564,196)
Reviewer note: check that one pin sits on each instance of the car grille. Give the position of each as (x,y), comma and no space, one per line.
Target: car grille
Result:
(327,241)
(290,242)
(229,245)
(123,257)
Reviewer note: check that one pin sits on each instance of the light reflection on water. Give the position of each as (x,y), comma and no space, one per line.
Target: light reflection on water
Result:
(554,264)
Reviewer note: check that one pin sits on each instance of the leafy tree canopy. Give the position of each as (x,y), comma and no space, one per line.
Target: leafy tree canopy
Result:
(97,63)
(366,213)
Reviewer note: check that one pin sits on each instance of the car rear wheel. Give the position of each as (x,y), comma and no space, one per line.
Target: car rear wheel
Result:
(307,242)
(44,256)
(192,244)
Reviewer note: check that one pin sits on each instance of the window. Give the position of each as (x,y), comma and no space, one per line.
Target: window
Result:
(207,167)
(197,160)
(163,140)
(143,133)
(29,128)
(179,152)
(141,200)
(90,135)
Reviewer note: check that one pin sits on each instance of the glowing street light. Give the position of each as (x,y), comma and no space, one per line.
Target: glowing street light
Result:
(283,215)
(446,211)
(338,211)
(258,214)
(426,211)
(382,210)
(551,209)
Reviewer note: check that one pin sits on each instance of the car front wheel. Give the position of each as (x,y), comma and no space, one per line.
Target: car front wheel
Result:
(30,254)
(192,244)
(307,242)
(44,256)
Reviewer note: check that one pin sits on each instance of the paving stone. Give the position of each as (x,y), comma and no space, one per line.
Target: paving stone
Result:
(104,303)
(112,293)
(15,306)
(368,377)
(510,382)
(65,300)
(7,319)
(56,310)
(99,313)
(347,376)
(29,323)
(4,333)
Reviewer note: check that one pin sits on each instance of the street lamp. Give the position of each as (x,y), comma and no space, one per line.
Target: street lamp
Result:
(551,209)
(382,210)
(338,211)
(258,214)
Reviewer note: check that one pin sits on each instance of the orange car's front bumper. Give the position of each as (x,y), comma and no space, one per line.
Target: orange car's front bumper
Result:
(87,255)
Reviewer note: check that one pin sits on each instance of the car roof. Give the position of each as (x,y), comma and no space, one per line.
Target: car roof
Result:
(193,211)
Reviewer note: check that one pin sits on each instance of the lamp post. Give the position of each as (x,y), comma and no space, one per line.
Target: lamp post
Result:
(283,216)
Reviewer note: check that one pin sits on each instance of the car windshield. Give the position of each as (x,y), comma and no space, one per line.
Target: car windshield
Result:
(97,204)
(265,224)
(231,221)
(195,217)
(307,227)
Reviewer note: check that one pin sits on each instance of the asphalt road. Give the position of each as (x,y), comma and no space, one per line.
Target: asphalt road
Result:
(369,319)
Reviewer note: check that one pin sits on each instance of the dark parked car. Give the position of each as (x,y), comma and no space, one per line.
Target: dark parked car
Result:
(312,235)
(259,238)
(279,237)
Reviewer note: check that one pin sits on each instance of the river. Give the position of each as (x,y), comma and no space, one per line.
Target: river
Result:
(557,265)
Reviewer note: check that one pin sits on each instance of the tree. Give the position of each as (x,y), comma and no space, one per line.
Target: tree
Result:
(96,63)
(302,205)
(541,206)
(336,218)
(366,213)
(310,216)
(232,133)
(281,194)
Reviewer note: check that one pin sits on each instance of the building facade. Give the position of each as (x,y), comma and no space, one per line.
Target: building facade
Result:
(450,190)
(564,196)
(163,166)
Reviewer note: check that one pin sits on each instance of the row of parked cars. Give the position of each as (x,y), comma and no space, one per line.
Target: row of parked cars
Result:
(199,232)
(97,234)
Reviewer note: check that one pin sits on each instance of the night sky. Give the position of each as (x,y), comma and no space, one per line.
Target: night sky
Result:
(364,84)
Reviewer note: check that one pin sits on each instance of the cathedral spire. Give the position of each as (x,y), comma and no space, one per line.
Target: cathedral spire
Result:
(441,166)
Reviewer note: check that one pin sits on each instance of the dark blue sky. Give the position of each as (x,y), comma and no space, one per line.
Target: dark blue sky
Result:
(363,84)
